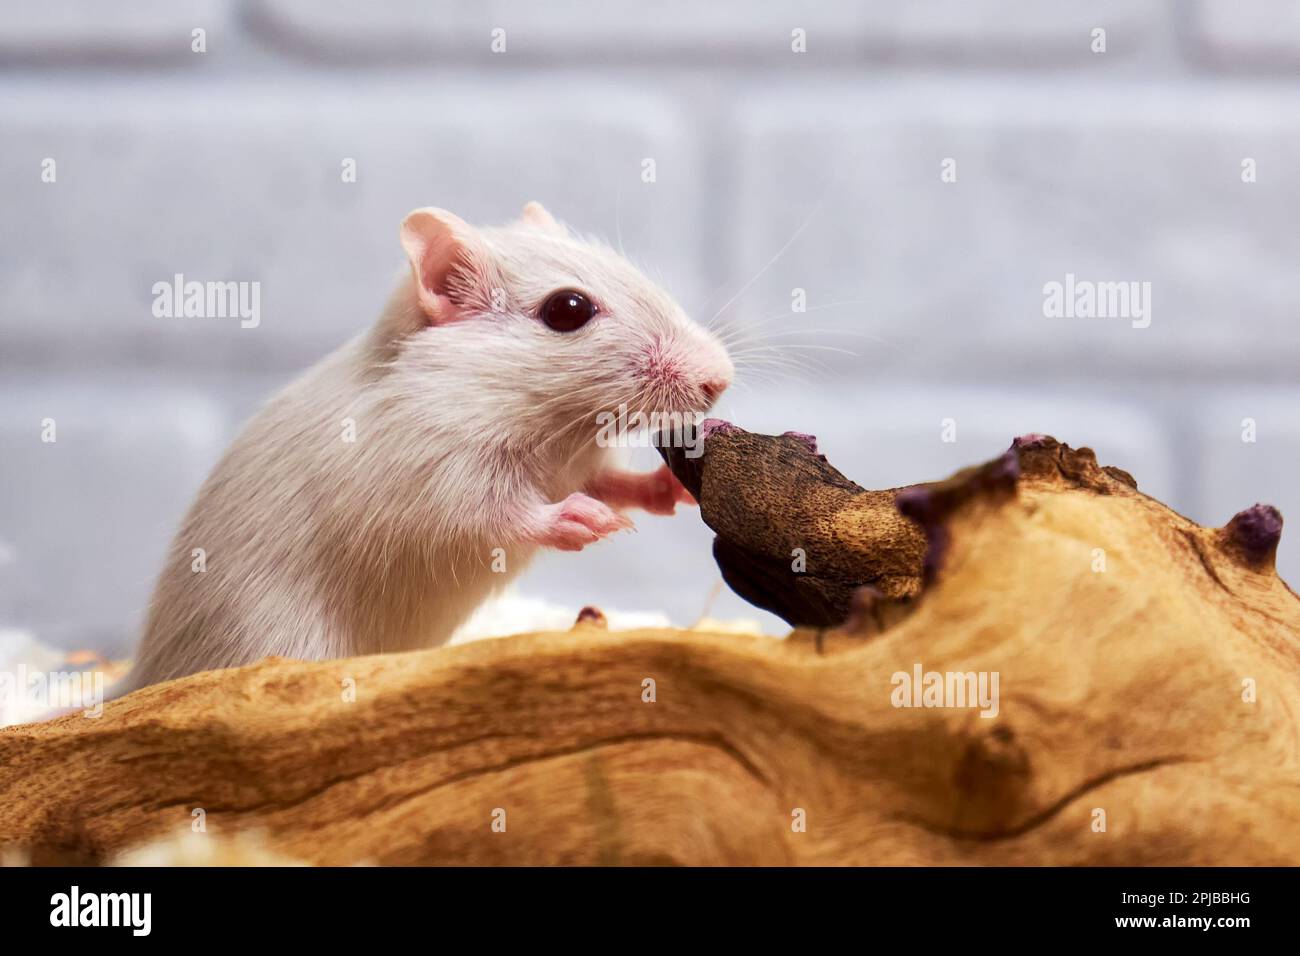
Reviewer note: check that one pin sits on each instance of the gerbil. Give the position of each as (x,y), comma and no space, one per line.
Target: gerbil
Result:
(363,508)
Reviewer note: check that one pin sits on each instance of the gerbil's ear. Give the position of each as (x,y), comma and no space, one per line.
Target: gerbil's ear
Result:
(445,256)
(535,215)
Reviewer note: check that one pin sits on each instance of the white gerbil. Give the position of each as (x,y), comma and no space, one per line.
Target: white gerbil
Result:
(471,408)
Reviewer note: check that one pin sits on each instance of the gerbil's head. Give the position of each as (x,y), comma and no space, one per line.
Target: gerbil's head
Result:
(552,326)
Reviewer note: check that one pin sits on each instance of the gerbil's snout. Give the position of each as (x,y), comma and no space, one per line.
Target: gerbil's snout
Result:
(712,388)
(716,375)
(718,370)
(703,371)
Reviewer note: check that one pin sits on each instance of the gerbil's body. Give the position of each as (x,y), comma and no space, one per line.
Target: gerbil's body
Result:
(380,498)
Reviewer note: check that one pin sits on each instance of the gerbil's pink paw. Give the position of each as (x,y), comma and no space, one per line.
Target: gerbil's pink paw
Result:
(658,492)
(661,492)
(577,521)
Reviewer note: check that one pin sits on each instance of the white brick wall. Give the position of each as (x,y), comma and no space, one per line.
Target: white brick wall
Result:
(1260,35)
(226,165)
(1099,180)
(73,33)
(568,31)
(235,181)
(85,518)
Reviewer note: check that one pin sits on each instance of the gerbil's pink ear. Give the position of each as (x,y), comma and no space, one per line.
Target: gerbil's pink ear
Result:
(535,215)
(444,255)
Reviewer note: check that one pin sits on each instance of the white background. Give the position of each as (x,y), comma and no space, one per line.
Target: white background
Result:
(1124,165)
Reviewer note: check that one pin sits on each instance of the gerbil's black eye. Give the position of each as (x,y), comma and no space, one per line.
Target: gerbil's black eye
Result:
(567,311)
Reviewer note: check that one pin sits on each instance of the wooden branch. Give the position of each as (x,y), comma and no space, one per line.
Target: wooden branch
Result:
(1149,699)
(795,536)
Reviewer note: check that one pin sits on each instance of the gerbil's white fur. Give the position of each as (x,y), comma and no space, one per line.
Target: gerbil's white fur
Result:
(474,431)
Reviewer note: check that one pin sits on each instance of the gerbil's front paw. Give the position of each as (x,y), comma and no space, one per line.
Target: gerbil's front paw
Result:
(661,492)
(577,521)
(658,492)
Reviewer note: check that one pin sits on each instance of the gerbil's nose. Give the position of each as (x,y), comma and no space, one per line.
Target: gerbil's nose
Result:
(713,387)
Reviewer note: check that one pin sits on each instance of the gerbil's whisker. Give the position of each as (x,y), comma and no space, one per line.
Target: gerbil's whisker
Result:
(779,253)
(795,345)
(794,316)
(618,220)
(565,430)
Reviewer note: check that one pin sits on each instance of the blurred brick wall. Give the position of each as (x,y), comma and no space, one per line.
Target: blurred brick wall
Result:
(1122,165)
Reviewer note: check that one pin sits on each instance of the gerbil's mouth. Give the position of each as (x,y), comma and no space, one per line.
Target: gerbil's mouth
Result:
(675,382)
(681,399)
(699,397)
(712,390)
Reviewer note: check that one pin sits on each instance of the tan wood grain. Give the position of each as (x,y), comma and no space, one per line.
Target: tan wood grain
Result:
(1120,690)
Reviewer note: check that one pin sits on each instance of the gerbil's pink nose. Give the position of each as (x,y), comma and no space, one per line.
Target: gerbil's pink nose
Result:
(712,388)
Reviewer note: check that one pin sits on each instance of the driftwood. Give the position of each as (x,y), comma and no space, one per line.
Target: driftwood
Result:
(1149,712)
(796,537)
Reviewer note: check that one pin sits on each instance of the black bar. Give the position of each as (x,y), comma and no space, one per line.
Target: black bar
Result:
(979,906)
